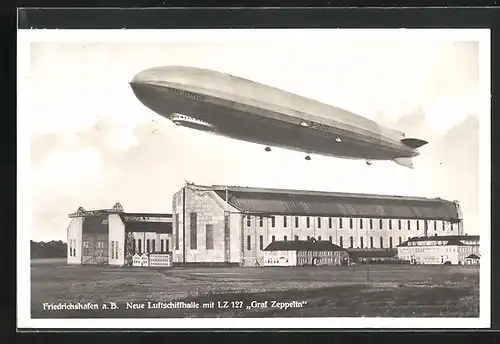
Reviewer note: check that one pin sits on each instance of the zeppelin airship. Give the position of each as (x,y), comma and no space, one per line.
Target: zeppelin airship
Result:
(242,109)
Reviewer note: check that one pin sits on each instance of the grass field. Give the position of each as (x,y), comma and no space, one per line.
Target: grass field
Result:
(384,291)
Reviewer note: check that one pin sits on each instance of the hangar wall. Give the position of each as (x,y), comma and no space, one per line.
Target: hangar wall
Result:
(159,242)
(74,241)
(210,236)
(116,245)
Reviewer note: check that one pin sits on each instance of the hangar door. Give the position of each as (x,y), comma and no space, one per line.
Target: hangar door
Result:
(95,240)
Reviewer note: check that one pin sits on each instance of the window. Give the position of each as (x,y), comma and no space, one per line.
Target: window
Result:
(319,238)
(360,223)
(296,222)
(148,245)
(249,242)
(361,241)
(340,223)
(261,221)
(161,245)
(273,238)
(390,242)
(319,222)
(116,249)
(296,238)
(273,221)
(261,242)
(442,225)
(249,221)
(284,221)
(341,243)
(400,240)
(350,223)
(371,223)
(308,237)
(409,225)
(381,223)
(399,224)
(390,224)
(140,245)
(284,238)
(435,226)
(381,242)
(112,250)
(209,236)
(330,222)
(371,242)
(71,248)
(176,233)
(86,248)
(74,247)
(418,225)
(330,238)
(153,246)
(351,242)
(193,227)
(167,245)
(308,222)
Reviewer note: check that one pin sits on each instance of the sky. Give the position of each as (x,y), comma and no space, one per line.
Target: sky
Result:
(93,143)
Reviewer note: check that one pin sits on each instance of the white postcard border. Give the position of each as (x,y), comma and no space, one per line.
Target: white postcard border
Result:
(24,222)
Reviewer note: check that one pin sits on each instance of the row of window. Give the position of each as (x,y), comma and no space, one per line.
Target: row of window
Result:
(114,249)
(151,246)
(316,253)
(362,222)
(72,247)
(193,232)
(341,241)
(209,235)
(418,249)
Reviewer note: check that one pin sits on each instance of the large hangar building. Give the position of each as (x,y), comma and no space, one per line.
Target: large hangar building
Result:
(234,225)
(112,236)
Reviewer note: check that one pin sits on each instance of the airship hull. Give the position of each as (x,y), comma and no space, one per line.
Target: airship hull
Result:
(230,107)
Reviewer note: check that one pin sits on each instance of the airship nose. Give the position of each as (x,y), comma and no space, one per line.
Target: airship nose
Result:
(144,76)
(160,75)
(141,82)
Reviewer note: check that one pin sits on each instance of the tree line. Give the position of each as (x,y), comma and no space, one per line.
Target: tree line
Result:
(51,249)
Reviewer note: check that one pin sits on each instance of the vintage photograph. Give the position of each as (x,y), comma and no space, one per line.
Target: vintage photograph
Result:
(254,178)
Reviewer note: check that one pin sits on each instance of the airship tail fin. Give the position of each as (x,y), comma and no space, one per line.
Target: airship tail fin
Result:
(406,162)
(414,143)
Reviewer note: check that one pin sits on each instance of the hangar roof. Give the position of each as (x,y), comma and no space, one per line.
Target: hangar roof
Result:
(118,209)
(303,245)
(334,204)
(134,222)
(158,227)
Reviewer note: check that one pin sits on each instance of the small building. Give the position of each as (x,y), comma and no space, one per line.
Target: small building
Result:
(160,259)
(140,260)
(448,249)
(113,237)
(375,256)
(304,252)
(472,259)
